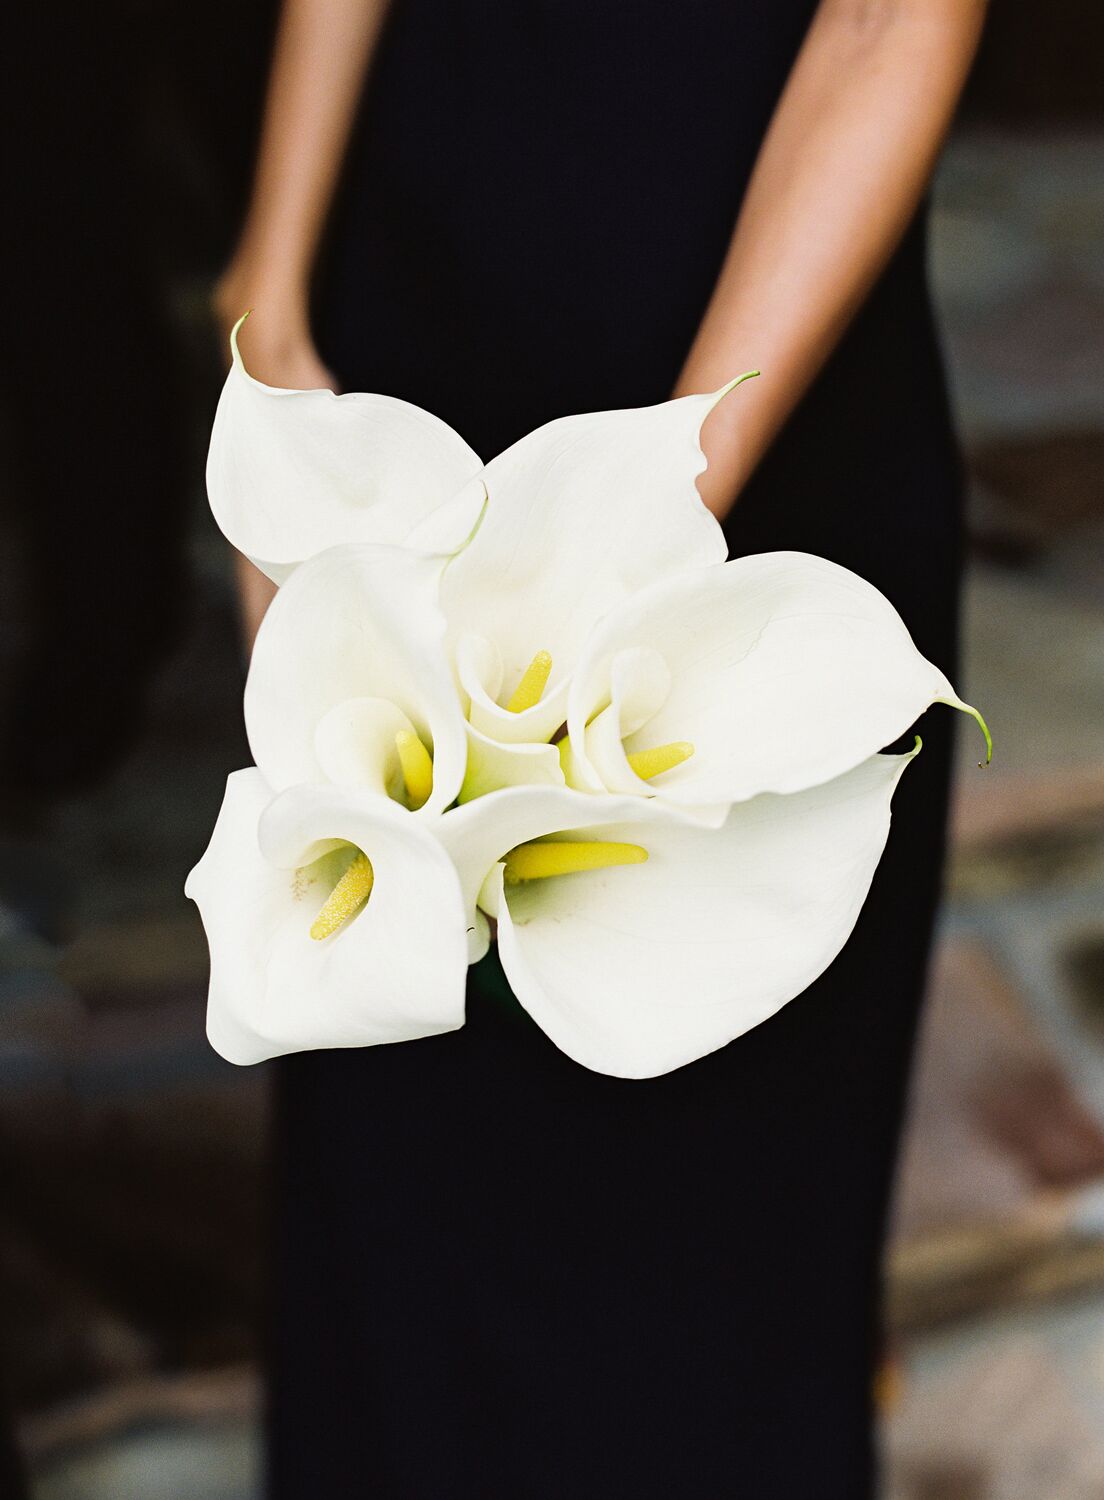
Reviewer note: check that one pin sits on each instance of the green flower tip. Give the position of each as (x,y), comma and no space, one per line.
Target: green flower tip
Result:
(967,708)
(917,745)
(732,384)
(234,335)
(984,727)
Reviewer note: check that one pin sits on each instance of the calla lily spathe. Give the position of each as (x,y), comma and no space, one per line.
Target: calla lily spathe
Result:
(773,673)
(350,656)
(638,968)
(290,473)
(393,967)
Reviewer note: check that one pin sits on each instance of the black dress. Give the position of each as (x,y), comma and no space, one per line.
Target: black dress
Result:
(500,1274)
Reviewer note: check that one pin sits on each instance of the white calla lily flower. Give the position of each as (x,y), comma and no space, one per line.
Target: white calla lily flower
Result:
(668,939)
(290,473)
(334,919)
(350,681)
(772,673)
(580,515)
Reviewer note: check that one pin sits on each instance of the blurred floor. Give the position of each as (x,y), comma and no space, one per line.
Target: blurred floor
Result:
(130,1156)
(996,1286)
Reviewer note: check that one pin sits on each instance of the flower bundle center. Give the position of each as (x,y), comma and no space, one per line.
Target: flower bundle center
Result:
(346,899)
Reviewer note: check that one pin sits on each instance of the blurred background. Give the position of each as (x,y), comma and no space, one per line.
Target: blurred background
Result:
(132,1173)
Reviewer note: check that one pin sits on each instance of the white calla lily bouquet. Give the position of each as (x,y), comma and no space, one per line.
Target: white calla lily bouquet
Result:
(532,699)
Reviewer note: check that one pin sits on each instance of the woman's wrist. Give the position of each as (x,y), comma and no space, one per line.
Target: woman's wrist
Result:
(277,344)
(725,444)
(249,284)
(735,435)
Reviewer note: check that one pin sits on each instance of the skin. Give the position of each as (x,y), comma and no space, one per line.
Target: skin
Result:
(842,168)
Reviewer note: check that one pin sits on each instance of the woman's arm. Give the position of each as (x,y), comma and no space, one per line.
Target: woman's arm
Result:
(318,65)
(844,163)
(322,52)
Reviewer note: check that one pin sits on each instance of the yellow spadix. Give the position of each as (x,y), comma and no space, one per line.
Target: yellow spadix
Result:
(649,763)
(345,900)
(543,858)
(533,682)
(417,768)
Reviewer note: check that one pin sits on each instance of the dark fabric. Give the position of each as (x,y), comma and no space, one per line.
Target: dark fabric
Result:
(501,1274)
